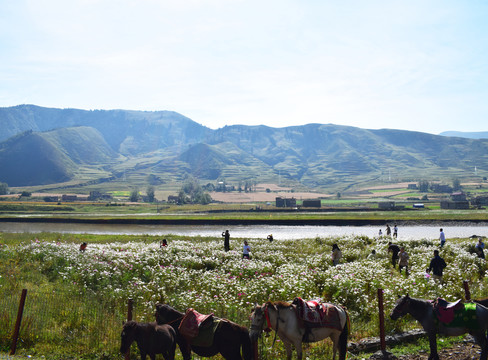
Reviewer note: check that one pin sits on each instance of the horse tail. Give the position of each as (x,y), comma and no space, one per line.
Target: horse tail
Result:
(343,337)
(247,348)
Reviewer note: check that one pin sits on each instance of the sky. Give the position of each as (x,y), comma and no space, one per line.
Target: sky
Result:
(418,65)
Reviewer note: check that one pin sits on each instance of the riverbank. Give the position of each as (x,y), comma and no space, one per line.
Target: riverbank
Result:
(237,221)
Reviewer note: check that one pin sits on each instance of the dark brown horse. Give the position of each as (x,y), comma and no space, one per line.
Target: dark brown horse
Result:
(151,339)
(423,312)
(228,340)
(483,302)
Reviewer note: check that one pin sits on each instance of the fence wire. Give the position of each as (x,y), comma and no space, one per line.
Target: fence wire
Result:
(74,325)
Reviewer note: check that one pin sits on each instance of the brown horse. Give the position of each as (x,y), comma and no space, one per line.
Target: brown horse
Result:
(229,338)
(282,318)
(151,339)
(423,312)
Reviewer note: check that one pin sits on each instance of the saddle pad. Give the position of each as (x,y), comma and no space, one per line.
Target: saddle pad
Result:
(464,317)
(206,334)
(318,314)
(191,323)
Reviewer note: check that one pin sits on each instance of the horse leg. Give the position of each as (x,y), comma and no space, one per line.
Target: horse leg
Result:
(433,346)
(481,340)
(335,341)
(289,350)
(298,348)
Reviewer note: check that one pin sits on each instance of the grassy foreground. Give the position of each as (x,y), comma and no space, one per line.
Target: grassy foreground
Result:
(75,291)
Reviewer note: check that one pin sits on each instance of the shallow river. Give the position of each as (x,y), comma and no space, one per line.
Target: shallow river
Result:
(249,231)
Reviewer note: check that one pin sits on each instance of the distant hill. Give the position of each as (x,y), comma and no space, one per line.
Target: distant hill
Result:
(124,148)
(33,158)
(469,135)
(151,130)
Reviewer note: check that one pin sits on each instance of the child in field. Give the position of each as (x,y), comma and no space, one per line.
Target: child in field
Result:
(246,249)
(83,247)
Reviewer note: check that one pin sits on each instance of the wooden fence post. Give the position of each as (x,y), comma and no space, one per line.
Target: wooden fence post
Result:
(255,348)
(15,336)
(467,294)
(129,318)
(382,320)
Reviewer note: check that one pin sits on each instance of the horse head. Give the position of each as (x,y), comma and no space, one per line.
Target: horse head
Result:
(257,322)
(401,308)
(127,336)
(165,314)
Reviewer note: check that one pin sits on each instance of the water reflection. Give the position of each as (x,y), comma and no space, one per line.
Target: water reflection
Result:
(248,231)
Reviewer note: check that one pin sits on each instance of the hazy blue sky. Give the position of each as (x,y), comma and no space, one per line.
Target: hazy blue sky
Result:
(414,65)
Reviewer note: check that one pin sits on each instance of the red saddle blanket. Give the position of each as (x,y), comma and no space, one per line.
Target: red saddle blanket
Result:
(191,323)
(456,314)
(317,314)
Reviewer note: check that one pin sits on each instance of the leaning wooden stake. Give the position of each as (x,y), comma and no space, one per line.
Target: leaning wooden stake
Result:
(18,322)
(129,318)
(255,348)
(467,294)
(382,320)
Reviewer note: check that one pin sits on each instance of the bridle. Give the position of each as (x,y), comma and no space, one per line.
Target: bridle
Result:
(400,310)
(268,328)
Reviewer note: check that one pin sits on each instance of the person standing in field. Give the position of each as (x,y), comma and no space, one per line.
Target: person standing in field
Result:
(403,260)
(480,246)
(437,266)
(83,247)
(246,249)
(226,236)
(380,233)
(394,249)
(395,231)
(388,230)
(336,255)
(442,237)
(270,238)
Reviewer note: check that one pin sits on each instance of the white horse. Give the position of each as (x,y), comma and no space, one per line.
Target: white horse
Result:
(282,318)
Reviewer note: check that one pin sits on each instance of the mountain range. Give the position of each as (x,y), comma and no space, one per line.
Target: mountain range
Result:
(71,147)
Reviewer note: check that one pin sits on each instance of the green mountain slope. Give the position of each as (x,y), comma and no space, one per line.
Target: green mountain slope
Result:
(31,159)
(132,145)
(127,132)
(52,157)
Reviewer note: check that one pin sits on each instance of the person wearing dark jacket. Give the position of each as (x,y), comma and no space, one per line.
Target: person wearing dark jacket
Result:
(437,265)
(394,249)
(226,236)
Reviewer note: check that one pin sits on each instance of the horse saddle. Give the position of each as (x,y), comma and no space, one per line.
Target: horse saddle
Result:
(315,313)
(446,311)
(192,322)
